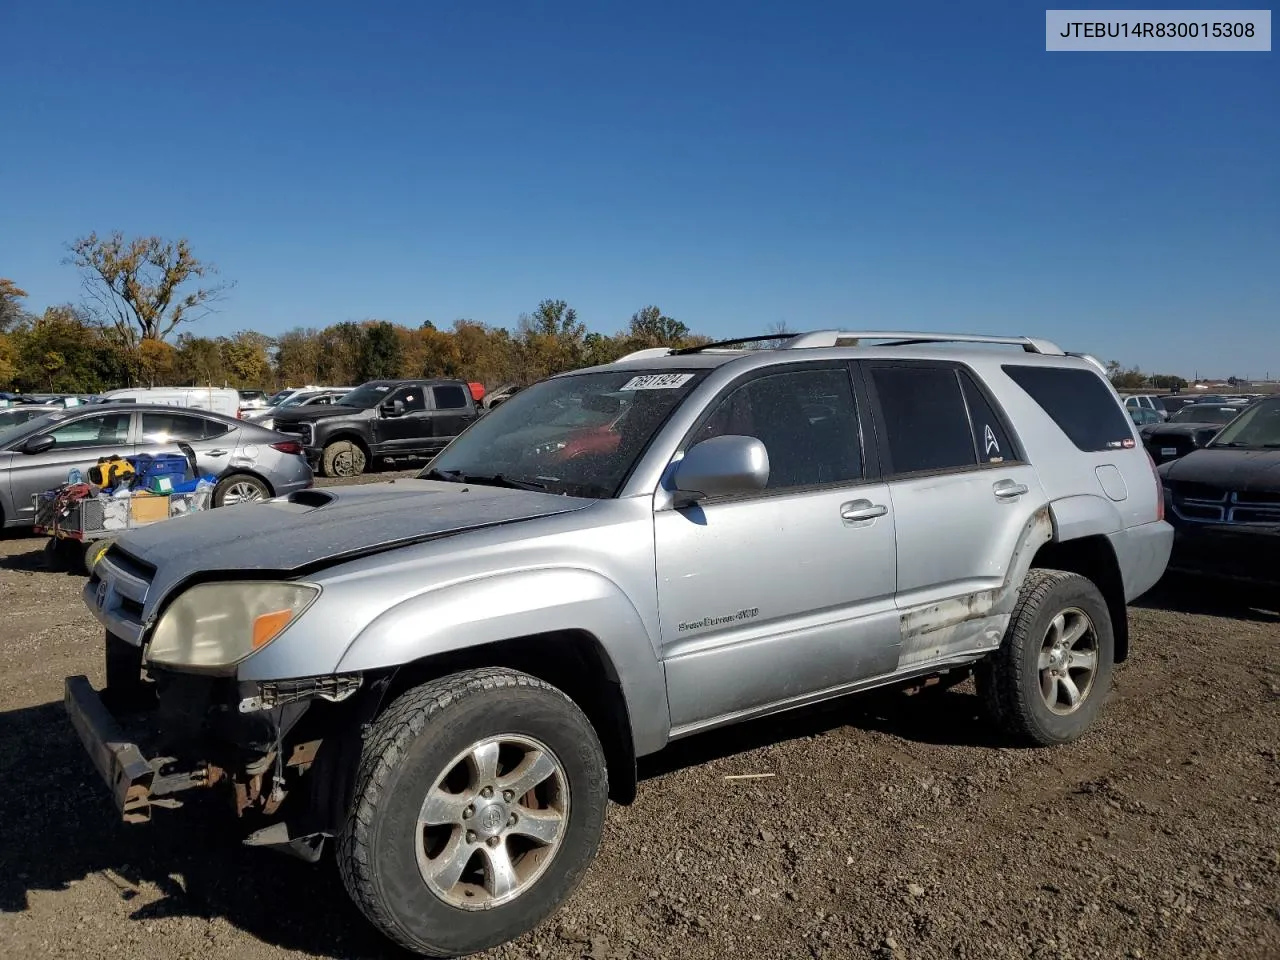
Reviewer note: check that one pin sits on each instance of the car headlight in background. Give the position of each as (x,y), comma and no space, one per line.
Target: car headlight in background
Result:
(213,626)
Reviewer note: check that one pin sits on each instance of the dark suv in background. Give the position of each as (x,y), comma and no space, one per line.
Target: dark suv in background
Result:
(381,419)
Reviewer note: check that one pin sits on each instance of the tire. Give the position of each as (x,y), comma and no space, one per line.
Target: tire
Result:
(240,488)
(342,458)
(385,857)
(1017,684)
(93,552)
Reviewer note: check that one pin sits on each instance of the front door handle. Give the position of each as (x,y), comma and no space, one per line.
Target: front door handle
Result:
(1008,490)
(215,453)
(856,510)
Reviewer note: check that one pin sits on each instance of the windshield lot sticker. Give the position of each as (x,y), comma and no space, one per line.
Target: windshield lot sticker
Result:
(657,381)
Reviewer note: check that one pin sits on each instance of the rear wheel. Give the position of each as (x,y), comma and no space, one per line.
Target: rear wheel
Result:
(478,807)
(342,458)
(1050,677)
(240,488)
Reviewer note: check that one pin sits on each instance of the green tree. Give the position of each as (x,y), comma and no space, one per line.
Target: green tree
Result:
(136,285)
(380,352)
(551,340)
(199,362)
(650,327)
(63,351)
(245,358)
(297,357)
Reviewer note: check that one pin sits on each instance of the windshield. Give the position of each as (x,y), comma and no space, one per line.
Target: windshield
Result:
(277,398)
(578,435)
(369,395)
(1258,427)
(10,431)
(298,399)
(1201,413)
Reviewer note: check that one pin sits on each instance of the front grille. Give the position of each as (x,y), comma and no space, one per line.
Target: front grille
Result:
(1210,504)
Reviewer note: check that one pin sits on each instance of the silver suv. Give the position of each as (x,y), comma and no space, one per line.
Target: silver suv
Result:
(451,675)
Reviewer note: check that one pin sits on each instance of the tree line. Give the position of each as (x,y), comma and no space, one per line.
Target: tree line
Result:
(141,292)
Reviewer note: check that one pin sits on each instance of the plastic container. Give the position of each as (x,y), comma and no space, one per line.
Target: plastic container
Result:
(155,467)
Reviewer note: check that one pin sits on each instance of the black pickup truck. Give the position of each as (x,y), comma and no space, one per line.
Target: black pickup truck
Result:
(381,419)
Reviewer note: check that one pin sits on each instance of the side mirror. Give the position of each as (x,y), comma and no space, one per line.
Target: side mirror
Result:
(39,444)
(393,408)
(721,466)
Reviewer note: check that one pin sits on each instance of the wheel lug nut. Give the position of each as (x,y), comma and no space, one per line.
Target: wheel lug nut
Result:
(487,792)
(508,795)
(494,841)
(512,822)
(471,837)
(468,813)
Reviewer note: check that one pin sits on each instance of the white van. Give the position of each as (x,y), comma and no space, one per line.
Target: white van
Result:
(217,399)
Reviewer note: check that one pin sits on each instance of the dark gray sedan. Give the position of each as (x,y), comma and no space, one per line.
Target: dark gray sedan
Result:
(250,462)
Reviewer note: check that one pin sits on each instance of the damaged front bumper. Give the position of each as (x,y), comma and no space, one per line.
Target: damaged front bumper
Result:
(282,752)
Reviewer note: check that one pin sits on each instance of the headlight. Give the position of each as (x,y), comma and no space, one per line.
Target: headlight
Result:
(213,626)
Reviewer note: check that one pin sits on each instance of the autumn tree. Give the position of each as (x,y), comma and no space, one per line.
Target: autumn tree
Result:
(142,287)
(297,356)
(63,351)
(199,362)
(244,358)
(11,312)
(551,340)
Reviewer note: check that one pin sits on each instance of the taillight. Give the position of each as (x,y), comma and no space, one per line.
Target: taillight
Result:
(293,446)
(1155,472)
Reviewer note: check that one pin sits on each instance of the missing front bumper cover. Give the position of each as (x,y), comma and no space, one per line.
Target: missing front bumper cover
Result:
(136,783)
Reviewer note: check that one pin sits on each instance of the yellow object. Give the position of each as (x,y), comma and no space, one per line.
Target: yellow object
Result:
(109,471)
(149,509)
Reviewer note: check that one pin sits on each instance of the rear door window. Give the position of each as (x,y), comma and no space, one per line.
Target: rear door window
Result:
(926,424)
(1080,403)
(172,427)
(449,398)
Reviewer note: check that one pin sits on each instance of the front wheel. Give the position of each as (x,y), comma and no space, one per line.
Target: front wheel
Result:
(479,805)
(1047,682)
(342,458)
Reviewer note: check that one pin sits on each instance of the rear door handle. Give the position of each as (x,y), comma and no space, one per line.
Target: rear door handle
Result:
(856,510)
(1008,490)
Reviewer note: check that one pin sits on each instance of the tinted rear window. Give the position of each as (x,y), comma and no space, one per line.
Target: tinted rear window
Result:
(1080,403)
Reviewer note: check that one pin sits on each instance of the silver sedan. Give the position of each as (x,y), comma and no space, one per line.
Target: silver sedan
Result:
(250,462)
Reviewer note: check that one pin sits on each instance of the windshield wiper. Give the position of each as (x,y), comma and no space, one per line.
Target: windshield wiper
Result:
(498,480)
(435,473)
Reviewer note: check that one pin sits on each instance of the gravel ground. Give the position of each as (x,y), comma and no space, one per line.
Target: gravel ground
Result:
(891,826)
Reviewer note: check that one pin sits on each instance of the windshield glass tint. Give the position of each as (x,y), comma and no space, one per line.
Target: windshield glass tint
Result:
(370,395)
(1200,413)
(578,435)
(298,399)
(1258,426)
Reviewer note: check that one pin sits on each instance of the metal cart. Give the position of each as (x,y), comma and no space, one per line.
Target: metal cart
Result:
(82,530)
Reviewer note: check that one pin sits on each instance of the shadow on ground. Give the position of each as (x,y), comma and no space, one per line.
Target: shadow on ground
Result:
(1183,594)
(58,827)
(52,791)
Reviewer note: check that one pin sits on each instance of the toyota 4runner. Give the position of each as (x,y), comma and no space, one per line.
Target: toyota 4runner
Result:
(450,676)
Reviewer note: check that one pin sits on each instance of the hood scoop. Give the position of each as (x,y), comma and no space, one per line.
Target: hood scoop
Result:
(310,497)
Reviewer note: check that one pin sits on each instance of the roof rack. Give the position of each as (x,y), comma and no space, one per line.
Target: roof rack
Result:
(902,338)
(837,338)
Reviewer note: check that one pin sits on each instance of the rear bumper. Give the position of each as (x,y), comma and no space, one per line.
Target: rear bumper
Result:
(1236,552)
(1143,554)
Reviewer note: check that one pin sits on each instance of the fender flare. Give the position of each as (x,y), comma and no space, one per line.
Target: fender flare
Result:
(1084,515)
(493,609)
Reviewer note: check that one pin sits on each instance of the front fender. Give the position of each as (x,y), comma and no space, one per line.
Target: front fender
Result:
(496,608)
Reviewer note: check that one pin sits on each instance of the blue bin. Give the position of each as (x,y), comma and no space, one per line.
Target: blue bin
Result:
(155,467)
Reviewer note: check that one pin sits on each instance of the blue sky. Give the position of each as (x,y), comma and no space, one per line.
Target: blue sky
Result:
(919,165)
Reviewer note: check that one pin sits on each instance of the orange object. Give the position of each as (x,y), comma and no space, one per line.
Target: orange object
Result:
(144,509)
(477,391)
(268,626)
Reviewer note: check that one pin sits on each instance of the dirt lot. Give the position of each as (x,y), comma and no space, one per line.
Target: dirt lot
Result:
(890,827)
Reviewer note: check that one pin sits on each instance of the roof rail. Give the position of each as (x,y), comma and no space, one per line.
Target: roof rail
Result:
(902,338)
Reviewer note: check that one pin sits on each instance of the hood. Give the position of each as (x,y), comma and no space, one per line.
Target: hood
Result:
(1245,471)
(317,412)
(321,526)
